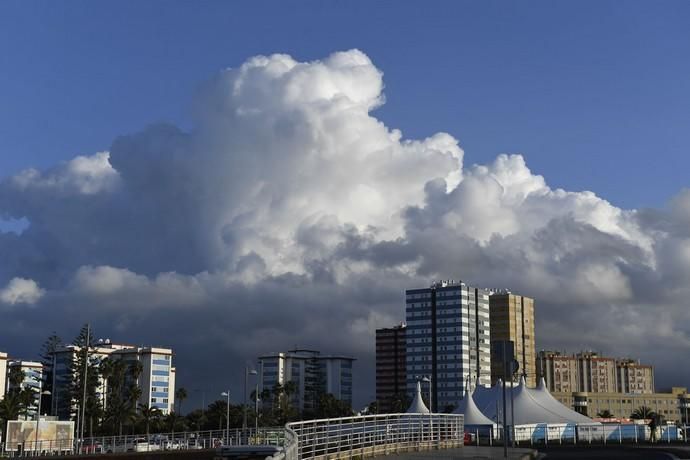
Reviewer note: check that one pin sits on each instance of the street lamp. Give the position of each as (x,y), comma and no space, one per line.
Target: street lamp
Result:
(247,373)
(38,416)
(227,417)
(256,410)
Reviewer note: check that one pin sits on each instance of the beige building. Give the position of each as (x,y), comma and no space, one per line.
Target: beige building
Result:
(634,377)
(596,374)
(590,373)
(673,406)
(560,372)
(512,318)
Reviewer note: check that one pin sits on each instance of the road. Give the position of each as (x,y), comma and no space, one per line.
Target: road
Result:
(605,453)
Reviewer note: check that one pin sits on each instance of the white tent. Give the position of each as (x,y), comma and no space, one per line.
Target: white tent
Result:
(418,406)
(529,406)
(468,408)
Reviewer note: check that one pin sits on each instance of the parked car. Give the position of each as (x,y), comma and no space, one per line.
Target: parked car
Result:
(470,438)
(91,446)
(143,445)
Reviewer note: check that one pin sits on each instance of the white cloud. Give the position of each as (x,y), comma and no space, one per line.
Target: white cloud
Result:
(289,213)
(21,291)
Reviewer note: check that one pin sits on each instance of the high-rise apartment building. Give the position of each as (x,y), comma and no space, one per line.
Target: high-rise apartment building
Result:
(156,381)
(447,339)
(313,374)
(633,377)
(512,318)
(597,374)
(560,372)
(31,379)
(391,377)
(3,374)
(589,372)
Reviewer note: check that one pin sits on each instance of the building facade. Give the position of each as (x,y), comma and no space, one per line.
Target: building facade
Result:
(447,340)
(311,373)
(673,406)
(3,374)
(634,377)
(32,378)
(512,318)
(156,381)
(391,373)
(590,373)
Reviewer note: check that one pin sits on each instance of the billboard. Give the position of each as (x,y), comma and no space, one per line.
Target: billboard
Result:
(53,435)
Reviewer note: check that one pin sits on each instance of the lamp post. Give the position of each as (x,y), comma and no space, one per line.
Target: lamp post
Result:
(227,416)
(256,410)
(38,417)
(247,373)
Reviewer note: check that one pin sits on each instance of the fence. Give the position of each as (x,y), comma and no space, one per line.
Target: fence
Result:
(370,435)
(143,443)
(607,433)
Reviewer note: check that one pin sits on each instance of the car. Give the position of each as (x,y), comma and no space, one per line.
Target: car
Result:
(143,445)
(91,446)
(470,438)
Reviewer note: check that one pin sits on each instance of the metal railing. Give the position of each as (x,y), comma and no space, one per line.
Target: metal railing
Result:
(606,433)
(371,435)
(187,440)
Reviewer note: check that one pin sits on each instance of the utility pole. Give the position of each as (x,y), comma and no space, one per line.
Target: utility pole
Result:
(505,421)
(86,367)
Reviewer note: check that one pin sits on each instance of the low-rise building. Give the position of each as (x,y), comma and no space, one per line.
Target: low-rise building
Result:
(673,405)
(313,374)
(589,372)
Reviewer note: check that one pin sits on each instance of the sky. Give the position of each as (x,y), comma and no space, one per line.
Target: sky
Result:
(162,181)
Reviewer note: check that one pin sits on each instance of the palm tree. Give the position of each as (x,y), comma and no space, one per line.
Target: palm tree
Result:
(604,414)
(10,407)
(180,395)
(148,414)
(643,412)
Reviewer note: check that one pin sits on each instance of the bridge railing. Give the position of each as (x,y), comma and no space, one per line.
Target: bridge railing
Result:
(371,435)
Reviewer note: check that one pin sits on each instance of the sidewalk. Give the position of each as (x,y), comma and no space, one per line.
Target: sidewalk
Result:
(468,452)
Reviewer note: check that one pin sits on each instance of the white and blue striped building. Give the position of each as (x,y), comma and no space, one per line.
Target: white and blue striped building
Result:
(447,340)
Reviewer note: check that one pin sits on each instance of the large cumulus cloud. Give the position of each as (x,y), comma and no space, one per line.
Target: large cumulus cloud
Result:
(290,215)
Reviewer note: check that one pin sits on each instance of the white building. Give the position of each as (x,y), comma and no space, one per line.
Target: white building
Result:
(33,376)
(447,340)
(3,374)
(157,380)
(312,373)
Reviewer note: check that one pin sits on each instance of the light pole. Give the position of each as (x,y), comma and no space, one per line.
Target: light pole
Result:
(227,416)
(247,373)
(38,417)
(256,410)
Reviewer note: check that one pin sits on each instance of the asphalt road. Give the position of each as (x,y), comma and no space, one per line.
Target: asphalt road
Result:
(603,453)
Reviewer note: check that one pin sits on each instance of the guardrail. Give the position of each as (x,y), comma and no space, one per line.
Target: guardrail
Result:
(371,435)
(606,433)
(187,440)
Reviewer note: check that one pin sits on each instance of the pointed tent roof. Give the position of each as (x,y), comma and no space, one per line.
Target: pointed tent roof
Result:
(473,416)
(530,406)
(418,406)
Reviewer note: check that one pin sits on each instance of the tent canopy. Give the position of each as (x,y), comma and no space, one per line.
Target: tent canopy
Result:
(530,406)
(418,406)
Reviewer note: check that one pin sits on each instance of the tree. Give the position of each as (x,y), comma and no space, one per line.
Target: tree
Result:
(48,349)
(643,412)
(85,359)
(180,395)
(331,407)
(604,414)
(147,415)
(10,407)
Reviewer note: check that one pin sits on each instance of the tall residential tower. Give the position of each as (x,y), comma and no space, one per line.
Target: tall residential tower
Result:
(391,384)
(512,318)
(448,340)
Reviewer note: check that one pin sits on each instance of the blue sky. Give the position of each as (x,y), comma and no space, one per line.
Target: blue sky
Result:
(594,94)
